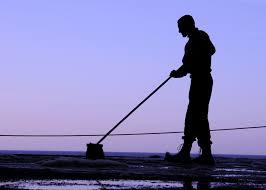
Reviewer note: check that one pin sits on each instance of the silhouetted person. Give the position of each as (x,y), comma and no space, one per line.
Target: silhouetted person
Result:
(197,63)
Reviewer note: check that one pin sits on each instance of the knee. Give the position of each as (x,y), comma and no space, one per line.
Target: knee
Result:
(188,139)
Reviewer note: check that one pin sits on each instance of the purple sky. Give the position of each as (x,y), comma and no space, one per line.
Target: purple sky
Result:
(77,67)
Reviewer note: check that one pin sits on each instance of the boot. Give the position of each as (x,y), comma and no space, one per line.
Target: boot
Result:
(183,156)
(206,157)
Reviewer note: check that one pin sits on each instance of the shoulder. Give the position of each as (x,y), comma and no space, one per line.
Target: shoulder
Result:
(202,34)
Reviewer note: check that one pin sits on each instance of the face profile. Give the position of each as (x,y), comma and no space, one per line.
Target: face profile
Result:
(182,30)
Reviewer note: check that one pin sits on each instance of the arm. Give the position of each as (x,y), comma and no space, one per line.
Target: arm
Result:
(179,73)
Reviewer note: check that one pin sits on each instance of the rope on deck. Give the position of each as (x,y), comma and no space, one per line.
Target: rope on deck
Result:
(126,134)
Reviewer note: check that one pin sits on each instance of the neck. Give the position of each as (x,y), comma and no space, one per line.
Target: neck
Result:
(191,32)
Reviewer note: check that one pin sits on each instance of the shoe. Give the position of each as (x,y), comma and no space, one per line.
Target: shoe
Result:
(178,158)
(204,160)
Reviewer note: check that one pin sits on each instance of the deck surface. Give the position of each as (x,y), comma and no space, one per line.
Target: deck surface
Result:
(244,172)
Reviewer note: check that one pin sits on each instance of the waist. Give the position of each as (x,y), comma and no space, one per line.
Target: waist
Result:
(201,75)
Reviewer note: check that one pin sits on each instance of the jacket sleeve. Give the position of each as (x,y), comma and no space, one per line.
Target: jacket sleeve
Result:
(182,70)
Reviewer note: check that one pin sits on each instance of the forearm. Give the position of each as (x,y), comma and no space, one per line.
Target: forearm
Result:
(180,72)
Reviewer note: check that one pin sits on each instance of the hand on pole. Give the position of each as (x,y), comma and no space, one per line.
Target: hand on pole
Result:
(181,72)
(176,74)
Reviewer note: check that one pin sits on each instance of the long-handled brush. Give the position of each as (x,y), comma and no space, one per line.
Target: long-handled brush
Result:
(95,151)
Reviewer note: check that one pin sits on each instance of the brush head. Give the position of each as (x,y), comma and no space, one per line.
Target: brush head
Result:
(94,151)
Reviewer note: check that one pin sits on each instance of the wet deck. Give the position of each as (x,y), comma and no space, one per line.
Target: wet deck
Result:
(237,172)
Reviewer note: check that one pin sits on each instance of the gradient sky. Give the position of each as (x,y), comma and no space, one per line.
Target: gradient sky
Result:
(78,67)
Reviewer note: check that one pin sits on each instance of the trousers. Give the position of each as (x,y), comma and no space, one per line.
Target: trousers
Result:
(196,121)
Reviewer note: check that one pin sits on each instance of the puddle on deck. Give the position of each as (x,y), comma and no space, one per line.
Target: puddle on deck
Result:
(110,184)
(89,184)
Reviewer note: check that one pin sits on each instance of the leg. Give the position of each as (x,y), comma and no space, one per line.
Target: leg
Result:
(203,135)
(183,156)
(203,132)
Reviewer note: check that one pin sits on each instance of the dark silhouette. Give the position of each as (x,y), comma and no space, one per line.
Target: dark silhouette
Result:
(197,63)
(94,151)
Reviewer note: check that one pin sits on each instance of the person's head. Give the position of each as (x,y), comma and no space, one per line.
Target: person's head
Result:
(186,25)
